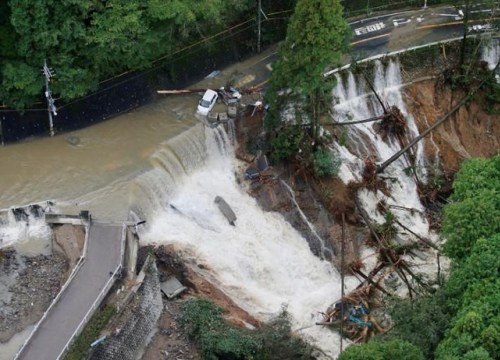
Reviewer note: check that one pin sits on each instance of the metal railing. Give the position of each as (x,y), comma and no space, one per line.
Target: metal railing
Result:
(392,53)
(61,292)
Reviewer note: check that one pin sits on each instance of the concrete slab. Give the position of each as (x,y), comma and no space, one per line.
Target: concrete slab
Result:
(103,257)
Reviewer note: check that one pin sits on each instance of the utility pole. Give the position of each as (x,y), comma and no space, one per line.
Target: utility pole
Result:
(259,21)
(259,9)
(51,108)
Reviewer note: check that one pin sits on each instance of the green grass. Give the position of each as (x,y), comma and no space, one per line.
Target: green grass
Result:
(81,346)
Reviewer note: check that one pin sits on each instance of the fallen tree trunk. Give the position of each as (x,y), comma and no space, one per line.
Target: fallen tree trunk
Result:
(393,158)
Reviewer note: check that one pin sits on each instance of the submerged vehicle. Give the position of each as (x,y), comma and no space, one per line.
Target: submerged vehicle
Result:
(207,102)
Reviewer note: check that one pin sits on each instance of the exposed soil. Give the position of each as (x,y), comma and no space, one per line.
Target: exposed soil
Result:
(470,132)
(69,240)
(169,342)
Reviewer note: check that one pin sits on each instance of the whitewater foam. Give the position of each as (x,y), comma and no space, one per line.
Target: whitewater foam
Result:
(262,263)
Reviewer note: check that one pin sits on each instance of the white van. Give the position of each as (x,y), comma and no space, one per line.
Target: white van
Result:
(207,102)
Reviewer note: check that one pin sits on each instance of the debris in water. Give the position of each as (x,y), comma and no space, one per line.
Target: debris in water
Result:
(73,140)
(225,209)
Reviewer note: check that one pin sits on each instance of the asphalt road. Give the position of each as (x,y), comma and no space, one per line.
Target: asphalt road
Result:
(399,30)
(103,257)
(381,34)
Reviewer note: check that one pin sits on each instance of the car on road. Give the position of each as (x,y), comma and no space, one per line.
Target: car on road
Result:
(207,102)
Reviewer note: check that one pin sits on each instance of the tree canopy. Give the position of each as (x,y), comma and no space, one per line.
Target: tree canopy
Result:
(317,38)
(87,41)
(461,320)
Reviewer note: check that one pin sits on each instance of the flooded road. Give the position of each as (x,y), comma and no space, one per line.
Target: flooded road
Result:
(95,173)
(107,153)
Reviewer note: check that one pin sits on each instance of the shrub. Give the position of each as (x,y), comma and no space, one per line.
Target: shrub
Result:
(475,176)
(482,264)
(325,164)
(287,142)
(202,321)
(421,321)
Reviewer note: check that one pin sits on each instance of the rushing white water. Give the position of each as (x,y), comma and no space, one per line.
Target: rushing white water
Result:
(326,253)
(353,103)
(29,234)
(491,53)
(262,263)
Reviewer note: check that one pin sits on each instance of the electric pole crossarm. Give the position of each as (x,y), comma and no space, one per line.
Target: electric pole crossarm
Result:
(48,73)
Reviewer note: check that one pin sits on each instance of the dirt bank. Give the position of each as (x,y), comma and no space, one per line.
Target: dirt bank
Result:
(470,132)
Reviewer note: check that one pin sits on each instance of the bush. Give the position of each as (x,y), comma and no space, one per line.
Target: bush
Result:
(482,264)
(325,164)
(202,321)
(382,350)
(422,321)
(287,142)
(475,176)
(476,207)
(279,344)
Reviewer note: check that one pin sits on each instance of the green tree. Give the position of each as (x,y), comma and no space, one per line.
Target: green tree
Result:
(421,321)
(382,350)
(317,37)
(87,41)
(475,209)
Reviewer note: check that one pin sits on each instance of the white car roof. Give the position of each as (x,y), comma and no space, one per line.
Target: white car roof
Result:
(209,94)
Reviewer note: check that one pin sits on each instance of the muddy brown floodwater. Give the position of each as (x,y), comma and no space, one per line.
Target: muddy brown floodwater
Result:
(95,173)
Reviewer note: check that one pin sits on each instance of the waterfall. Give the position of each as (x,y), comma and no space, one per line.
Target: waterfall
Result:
(25,229)
(326,252)
(262,263)
(353,101)
(491,54)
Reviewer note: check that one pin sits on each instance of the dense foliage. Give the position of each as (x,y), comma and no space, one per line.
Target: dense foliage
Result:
(382,350)
(86,41)
(203,322)
(421,321)
(475,207)
(325,163)
(317,37)
(460,320)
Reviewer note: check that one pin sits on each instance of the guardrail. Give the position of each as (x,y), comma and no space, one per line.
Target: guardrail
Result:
(58,296)
(392,53)
(99,298)
(89,313)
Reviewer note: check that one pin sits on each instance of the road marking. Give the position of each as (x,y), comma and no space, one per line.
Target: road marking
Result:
(369,28)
